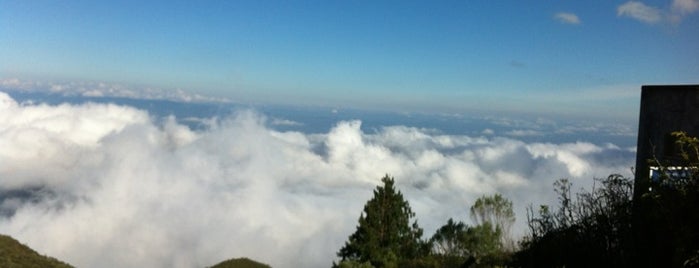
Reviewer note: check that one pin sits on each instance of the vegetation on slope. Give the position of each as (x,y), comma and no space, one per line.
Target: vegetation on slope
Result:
(599,228)
(15,254)
(385,236)
(240,263)
(595,228)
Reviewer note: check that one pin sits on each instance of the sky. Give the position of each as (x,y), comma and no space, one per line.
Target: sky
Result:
(561,57)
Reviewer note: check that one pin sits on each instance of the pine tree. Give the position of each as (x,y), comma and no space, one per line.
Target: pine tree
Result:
(384,236)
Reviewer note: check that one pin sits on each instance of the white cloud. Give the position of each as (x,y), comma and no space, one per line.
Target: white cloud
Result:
(524,133)
(684,7)
(119,189)
(567,18)
(640,11)
(285,122)
(674,14)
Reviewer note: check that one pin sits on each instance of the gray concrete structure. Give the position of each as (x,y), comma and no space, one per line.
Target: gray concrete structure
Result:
(664,109)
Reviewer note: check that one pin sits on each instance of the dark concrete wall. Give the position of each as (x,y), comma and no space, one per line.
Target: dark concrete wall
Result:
(664,109)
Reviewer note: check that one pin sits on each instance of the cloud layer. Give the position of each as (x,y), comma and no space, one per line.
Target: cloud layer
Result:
(102,185)
(101,89)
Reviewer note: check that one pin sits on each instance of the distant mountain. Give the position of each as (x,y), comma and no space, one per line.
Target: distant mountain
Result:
(240,263)
(15,254)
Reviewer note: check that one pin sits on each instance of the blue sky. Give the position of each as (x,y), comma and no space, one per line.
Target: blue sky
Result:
(566,57)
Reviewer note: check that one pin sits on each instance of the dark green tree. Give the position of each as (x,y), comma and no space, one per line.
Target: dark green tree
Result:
(458,245)
(384,236)
(448,240)
(484,245)
(448,246)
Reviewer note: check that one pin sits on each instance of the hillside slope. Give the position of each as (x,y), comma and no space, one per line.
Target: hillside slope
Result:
(15,254)
(240,263)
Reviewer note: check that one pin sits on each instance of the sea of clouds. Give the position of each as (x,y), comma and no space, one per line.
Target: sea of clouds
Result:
(104,185)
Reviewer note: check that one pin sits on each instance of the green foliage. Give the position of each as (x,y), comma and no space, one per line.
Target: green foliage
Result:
(495,209)
(483,243)
(457,245)
(497,212)
(449,240)
(591,230)
(354,264)
(384,236)
(689,147)
(671,208)
(240,263)
(605,227)
(15,255)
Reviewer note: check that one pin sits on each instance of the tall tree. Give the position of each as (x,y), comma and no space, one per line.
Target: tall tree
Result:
(448,240)
(457,245)
(384,236)
(496,211)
